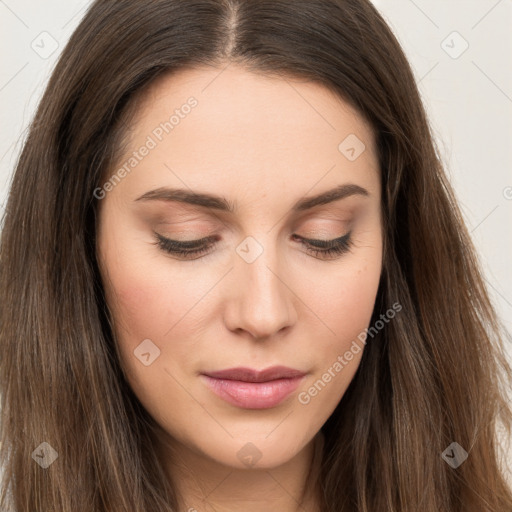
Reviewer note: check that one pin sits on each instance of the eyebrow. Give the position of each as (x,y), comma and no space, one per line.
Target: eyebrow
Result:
(222,204)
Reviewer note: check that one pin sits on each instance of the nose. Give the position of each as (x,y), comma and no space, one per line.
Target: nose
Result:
(261,299)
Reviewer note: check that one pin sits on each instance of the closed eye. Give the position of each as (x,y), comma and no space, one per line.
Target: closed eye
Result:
(193,249)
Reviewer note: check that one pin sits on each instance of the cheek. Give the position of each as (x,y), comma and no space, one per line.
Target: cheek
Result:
(152,304)
(345,300)
(357,301)
(345,305)
(150,299)
(146,298)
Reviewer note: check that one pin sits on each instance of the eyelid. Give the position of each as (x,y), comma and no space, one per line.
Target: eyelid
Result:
(326,248)
(187,243)
(321,241)
(210,239)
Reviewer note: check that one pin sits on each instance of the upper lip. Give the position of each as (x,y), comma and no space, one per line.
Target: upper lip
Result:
(250,375)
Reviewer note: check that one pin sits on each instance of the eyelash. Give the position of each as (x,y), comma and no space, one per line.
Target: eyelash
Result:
(324,248)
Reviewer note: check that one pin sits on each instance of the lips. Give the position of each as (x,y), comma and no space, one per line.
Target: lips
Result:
(254,389)
(250,375)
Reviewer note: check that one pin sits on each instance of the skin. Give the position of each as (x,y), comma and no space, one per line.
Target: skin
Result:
(262,143)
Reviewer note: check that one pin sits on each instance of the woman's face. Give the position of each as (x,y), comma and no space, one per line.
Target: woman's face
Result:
(238,159)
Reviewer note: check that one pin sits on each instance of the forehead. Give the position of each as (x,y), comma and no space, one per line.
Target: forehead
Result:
(250,131)
(234,96)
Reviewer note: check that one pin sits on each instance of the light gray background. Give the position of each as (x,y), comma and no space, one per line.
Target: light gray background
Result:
(468,97)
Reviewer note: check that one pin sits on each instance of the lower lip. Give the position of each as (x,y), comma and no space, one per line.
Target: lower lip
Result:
(253,395)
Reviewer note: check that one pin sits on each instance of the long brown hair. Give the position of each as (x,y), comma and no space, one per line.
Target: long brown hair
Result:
(434,376)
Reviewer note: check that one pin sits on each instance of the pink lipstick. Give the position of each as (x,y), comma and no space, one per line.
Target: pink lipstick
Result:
(253,389)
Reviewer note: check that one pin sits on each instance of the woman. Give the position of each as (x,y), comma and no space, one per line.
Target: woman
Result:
(234,276)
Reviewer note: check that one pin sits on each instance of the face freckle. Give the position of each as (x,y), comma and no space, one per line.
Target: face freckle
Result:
(260,297)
